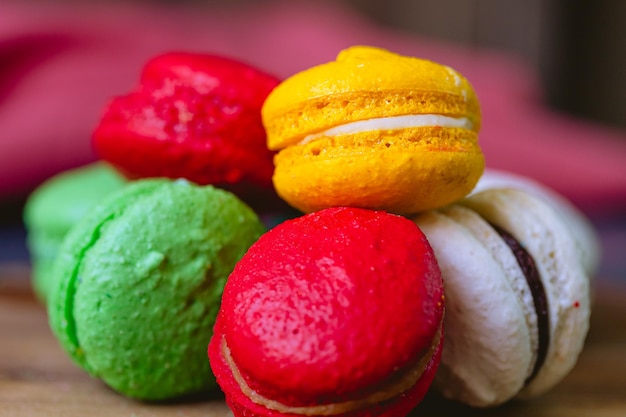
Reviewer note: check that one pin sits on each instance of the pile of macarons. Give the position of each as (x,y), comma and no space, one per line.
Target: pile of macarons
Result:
(397,263)
(131,253)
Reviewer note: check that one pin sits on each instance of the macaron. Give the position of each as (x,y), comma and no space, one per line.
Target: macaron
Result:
(194,116)
(517,296)
(337,312)
(138,283)
(55,206)
(374,129)
(583,232)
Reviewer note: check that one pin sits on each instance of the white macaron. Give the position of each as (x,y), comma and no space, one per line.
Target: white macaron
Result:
(583,233)
(517,296)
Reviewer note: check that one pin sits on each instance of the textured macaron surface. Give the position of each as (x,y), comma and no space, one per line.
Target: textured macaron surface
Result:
(383,170)
(374,129)
(55,206)
(364,83)
(193,116)
(517,296)
(331,306)
(583,232)
(488,351)
(140,281)
(545,235)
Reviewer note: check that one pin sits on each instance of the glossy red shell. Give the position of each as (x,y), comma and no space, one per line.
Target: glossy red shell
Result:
(193,116)
(331,306)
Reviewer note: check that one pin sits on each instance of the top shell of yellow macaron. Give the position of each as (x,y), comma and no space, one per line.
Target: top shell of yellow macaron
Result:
(374,129)
(364,83)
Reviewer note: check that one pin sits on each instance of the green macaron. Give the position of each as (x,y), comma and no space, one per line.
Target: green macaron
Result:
(55,206)
(138,284)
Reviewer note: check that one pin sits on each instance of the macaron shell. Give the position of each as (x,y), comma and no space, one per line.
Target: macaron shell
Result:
(501,253)
(65,268)
(487,352)
(142,294)
(59,202)
(225,77)
(364,83)
(583,233)
(293,310)
(194,116)
(242,406)
(542,232)
(407,171)
(55,206)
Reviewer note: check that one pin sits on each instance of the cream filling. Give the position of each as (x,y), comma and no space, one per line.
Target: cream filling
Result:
(388,392)
(392,123)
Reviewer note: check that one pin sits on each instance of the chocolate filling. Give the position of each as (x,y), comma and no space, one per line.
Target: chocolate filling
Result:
(526,262)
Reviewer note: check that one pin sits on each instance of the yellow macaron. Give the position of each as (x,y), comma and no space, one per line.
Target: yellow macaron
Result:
(374,129)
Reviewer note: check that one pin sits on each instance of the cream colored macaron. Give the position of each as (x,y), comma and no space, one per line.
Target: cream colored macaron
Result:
(518,297)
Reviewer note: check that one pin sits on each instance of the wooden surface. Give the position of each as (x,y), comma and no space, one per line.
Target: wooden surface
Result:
(37,379)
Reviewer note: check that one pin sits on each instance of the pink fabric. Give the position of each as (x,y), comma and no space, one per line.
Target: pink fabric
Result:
(60,63)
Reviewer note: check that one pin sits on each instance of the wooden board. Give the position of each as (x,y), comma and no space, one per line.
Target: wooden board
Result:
(37,379)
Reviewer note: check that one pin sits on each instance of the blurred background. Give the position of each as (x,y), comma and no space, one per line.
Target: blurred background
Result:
(573,53)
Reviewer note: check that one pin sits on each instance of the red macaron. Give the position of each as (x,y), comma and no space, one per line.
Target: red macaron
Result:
(338,312)
(193,116)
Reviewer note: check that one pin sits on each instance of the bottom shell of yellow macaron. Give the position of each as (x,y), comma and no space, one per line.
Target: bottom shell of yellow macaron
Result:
(401,171)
